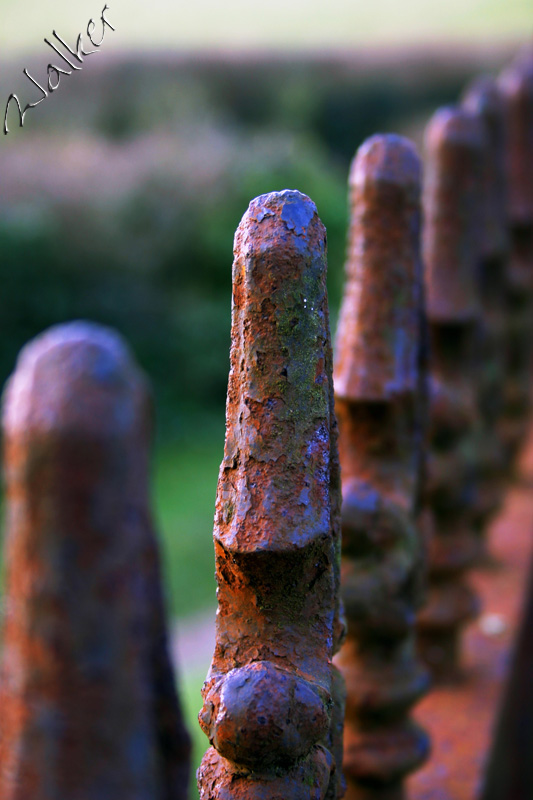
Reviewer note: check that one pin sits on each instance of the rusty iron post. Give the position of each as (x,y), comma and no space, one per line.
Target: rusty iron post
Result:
(509,772)
(89,707)
(516,86)
(455,144)
(272,702)
(483,98)
(380,395)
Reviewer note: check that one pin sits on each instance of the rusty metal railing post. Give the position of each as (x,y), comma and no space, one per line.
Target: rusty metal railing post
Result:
(516,86)
(455,144)
(269,693)
(483,98)
(89,707)
(379,399)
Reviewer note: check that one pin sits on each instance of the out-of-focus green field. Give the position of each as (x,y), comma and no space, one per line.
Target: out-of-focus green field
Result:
(185,476)
(191,698)
(184,487)
(278,24)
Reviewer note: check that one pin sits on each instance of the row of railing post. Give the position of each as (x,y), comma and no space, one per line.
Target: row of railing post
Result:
(431,388)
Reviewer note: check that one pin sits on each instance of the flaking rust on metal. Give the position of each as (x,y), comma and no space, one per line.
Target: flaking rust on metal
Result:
(483,98)
(89,707)
(516,86)
(273,704)
(455,142)
(380,393)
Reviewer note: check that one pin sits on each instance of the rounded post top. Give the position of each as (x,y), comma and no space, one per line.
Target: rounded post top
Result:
(387,159)
(77,376)
(455,126)
(516,80)
(482,96)
(457,145)
(378,335)
(278,222)
(292,208)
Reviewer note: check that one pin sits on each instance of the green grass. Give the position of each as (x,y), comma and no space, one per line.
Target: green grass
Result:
(191,700)
(184,489)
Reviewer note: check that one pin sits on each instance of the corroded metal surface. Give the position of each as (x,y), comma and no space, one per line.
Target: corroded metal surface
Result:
(483,98)
(273,705)
(379,401)
(516,86)
(510,768)
(87,694)
(461,718)
(455,144)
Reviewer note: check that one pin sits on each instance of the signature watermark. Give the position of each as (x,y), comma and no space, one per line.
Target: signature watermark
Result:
(72,58)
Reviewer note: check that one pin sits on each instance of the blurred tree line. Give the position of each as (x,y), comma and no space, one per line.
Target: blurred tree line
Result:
(119,199)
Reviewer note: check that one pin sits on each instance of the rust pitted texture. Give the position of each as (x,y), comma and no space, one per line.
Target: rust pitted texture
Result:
(483,98)
(452,198)
(379,396)
(455,144)
(272,701)
(87,694)
(516,86)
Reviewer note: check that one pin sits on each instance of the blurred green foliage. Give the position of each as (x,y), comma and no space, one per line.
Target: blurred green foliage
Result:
(119,200)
